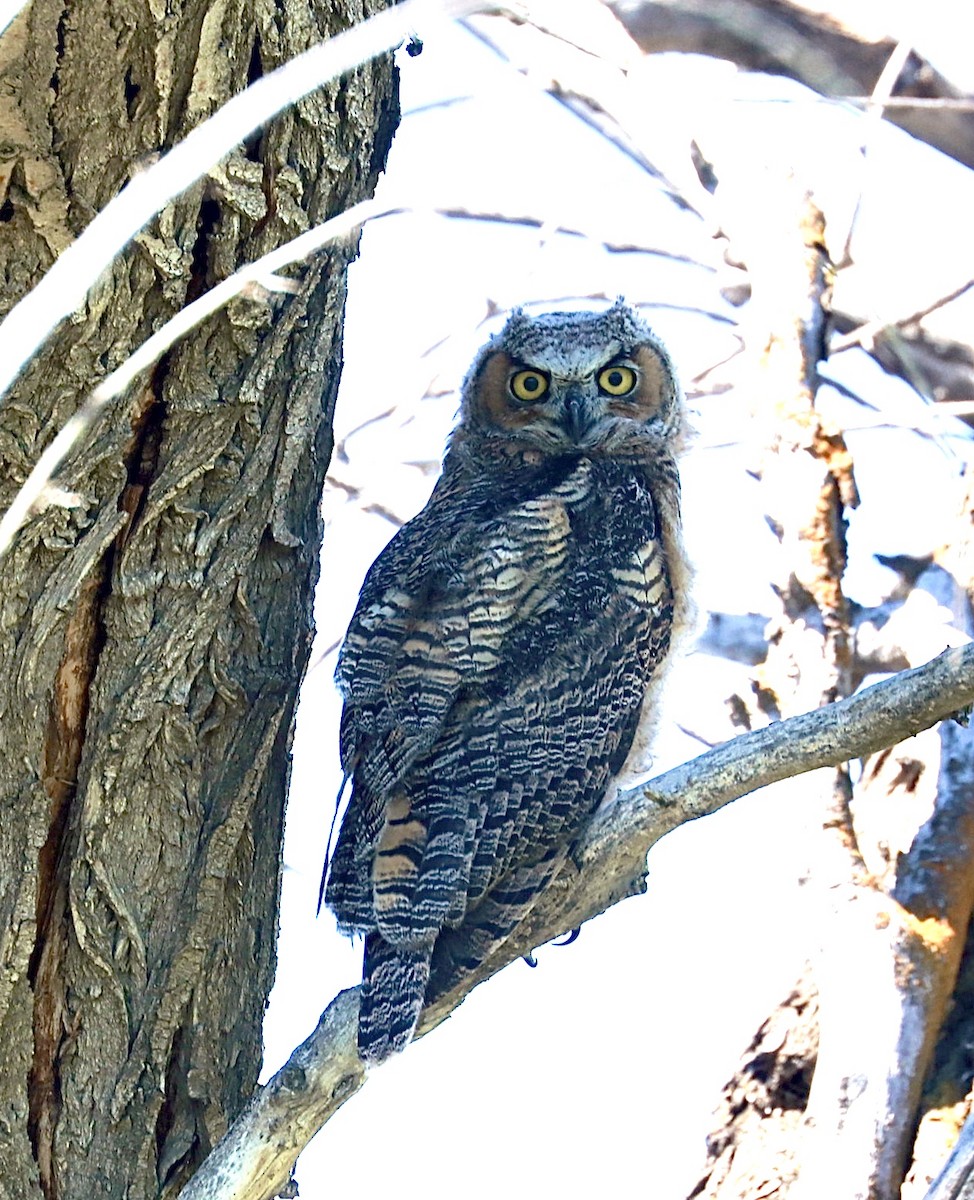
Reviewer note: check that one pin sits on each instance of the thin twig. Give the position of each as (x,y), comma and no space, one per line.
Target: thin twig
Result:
(888,76)
(869,330)
(882,90)
(598,115)
(500,218)
(953,104)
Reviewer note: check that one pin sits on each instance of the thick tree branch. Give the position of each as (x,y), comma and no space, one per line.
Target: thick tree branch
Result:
(254,1159)
(816,49)
(956,1180)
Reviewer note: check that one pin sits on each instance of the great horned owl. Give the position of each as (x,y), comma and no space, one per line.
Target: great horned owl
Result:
(495,673)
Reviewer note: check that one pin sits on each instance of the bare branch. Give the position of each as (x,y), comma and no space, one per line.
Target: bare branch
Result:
(891,967)
(954,1181)
(866,333)
(467,214)
(590,85)
(829,56)
(937,368)
(929,102)
(66,284)
(255,1158)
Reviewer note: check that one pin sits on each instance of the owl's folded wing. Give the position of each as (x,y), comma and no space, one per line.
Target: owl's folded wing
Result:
(431,624)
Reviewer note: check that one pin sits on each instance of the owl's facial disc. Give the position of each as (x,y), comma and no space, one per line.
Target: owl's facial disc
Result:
(567,396)
(557,410)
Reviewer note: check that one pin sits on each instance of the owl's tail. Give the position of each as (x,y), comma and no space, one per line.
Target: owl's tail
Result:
(393,989)
(396,979)
(459,952)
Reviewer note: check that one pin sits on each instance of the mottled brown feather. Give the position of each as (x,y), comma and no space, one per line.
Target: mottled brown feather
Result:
(497,668)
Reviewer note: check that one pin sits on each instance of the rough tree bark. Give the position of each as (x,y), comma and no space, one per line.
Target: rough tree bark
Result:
(154,628)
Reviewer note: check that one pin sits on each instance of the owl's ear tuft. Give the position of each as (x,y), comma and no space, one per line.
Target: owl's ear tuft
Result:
(517,321)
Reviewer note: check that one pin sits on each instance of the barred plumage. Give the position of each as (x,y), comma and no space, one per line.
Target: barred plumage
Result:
(496,670)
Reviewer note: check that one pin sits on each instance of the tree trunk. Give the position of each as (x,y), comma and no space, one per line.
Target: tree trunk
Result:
(155,623)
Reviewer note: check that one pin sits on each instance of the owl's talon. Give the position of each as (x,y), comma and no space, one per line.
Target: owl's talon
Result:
(530,960)
(569,937)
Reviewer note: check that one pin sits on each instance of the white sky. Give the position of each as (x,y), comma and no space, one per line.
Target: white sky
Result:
(598,1070)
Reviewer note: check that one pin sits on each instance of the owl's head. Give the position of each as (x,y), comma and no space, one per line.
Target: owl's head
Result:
(573,383)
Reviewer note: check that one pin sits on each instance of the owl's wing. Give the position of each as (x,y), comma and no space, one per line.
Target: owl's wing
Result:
(427,644)
(432,622)
(494,674)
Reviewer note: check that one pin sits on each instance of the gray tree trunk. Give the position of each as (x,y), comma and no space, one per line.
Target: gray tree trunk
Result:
(154,633)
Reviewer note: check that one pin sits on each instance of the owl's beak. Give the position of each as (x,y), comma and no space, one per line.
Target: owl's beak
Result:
(578,417)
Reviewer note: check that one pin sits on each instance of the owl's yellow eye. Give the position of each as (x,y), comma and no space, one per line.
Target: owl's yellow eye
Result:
(529,385)
(617,381)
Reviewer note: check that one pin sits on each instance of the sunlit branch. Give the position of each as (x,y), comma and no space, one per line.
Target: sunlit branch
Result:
(865,333)
(255,1158)
(500,218)
(66,284)
(944,103)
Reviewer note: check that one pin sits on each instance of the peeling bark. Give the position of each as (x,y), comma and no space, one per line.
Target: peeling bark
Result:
(83,640)
(153,635)
(763,1108)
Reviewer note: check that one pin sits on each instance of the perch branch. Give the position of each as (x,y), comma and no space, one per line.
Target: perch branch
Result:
(255,1158)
